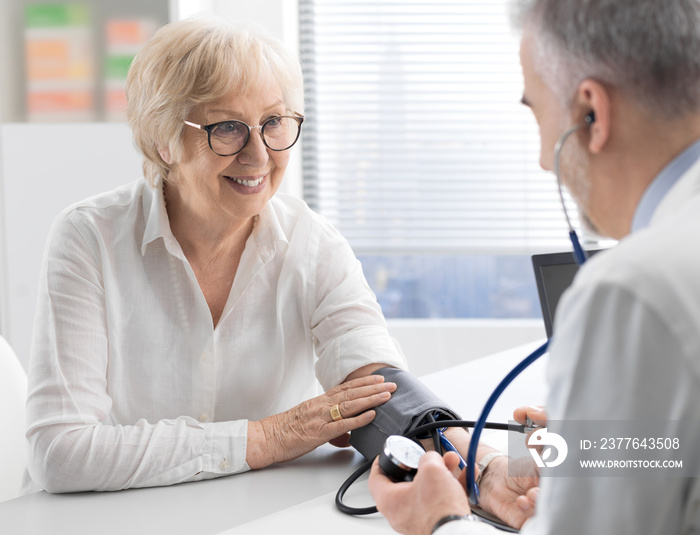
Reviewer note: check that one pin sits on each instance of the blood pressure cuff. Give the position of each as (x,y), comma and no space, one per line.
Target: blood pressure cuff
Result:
(408,408)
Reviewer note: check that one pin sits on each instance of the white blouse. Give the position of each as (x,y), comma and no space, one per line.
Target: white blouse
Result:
(130,385)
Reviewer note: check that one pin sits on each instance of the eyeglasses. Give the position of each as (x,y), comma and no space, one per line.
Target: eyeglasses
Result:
(230,137)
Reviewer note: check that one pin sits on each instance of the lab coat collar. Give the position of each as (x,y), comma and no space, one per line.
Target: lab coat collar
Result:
(687,187)
(662,184)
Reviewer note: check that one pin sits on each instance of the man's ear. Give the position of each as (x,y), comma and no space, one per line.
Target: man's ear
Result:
(165,155)
(593,101)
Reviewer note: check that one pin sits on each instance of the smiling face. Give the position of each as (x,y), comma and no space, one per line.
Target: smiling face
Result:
(221,188)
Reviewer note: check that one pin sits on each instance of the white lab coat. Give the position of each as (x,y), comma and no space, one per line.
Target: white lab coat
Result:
(627,347)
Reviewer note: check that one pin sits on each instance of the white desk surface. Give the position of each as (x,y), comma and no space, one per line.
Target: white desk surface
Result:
(291,498)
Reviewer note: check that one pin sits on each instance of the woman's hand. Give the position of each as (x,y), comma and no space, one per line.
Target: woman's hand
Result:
(291,434)
(414,507)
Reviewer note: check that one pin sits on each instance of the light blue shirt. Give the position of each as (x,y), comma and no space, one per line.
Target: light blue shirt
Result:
(662,184)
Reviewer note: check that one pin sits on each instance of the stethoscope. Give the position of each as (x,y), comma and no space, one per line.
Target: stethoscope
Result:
(580,258)
(399,459)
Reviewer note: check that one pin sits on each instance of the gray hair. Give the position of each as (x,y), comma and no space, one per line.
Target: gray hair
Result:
(195,61)
(648,48)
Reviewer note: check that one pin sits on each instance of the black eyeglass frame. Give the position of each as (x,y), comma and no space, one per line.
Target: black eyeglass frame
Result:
(209,128)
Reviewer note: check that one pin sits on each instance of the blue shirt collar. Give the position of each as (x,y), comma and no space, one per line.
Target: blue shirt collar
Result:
(662,184)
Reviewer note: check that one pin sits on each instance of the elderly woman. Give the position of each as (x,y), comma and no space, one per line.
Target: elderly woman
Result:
(185,319)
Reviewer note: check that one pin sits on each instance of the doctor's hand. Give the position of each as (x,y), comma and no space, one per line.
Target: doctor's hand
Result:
(509,489)
(414,507)
(536,413)
(293,433)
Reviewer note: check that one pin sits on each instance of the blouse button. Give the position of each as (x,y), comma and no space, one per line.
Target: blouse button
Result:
(204,418)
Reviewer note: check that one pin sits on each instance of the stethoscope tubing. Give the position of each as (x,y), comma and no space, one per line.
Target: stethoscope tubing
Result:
(580,257)
(472,488)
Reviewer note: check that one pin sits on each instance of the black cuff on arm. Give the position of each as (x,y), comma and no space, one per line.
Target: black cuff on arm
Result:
(408,407)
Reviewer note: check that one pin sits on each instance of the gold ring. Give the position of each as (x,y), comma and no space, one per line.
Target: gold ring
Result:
(335,413)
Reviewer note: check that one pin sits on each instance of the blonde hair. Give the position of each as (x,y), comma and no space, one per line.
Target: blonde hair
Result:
(191,62)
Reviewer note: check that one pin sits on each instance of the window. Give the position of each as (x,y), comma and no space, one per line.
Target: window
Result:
(418,150)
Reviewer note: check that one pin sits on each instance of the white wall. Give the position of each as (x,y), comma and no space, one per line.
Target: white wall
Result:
(435,344)
(4,288)
(45,168)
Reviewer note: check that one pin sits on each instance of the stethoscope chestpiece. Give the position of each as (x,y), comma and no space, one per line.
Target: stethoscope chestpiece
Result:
(399,458)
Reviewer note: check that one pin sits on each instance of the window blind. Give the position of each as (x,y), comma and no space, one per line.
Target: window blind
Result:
(415,139)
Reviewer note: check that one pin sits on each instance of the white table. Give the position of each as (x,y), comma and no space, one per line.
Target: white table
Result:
(291,498)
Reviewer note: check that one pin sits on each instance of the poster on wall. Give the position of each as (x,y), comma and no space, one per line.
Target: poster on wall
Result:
(59,46)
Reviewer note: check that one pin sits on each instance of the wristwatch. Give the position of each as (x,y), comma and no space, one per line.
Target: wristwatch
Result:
(451,518)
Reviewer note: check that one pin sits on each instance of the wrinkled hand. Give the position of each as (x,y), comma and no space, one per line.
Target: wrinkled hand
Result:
(414,507)
(291,434)
(509,489)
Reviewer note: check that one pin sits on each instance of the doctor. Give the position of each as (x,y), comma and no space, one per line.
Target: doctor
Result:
(627,339)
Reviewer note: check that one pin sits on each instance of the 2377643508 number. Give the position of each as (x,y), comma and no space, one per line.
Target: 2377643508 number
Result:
(650,443)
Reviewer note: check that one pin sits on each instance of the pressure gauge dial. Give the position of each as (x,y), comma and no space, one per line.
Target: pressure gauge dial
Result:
(399,458)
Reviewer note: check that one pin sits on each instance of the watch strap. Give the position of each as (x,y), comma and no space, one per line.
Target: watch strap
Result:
(451,518)
(485,461)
